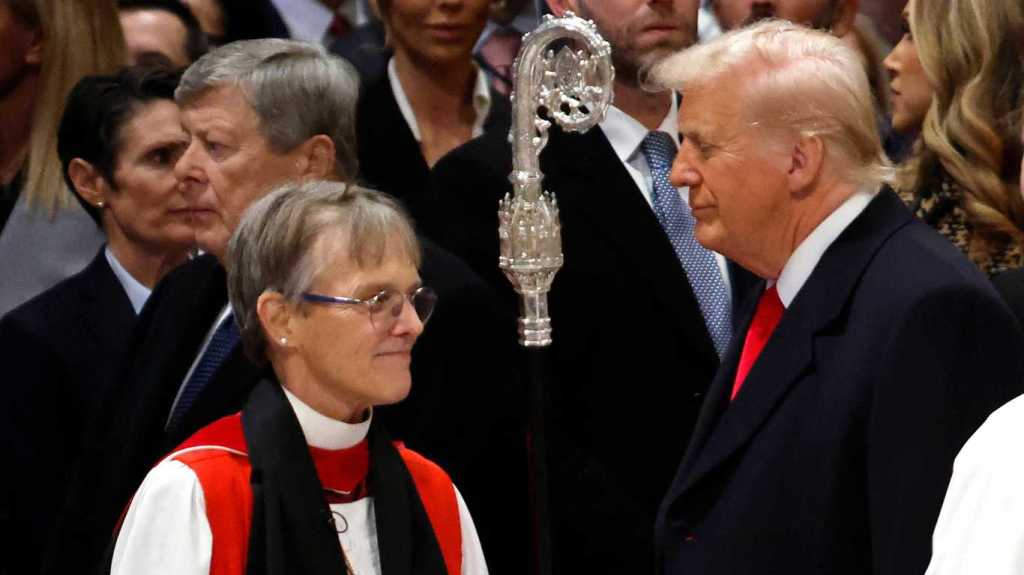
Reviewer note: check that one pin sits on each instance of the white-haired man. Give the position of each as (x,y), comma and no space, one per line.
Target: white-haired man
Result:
(872,351)
(640,311)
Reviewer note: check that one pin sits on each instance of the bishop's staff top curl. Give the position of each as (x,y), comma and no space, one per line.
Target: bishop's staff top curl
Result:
(563,74)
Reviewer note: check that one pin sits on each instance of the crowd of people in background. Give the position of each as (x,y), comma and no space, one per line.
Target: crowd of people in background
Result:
(252,319)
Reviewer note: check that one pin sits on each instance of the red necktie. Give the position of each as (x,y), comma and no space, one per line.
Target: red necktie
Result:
(769,312)
(340,26)
(499,51)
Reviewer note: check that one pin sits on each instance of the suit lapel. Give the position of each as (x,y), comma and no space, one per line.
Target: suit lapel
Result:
(717,399)
(606,195)
(104,310)
(724,427)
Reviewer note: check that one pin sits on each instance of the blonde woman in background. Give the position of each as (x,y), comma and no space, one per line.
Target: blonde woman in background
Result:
(957,75)
(46,46)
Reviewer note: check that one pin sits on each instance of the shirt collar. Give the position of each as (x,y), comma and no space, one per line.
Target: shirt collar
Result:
(805,258)
(306,20)
(625,133)
(137,293)
(322,431)
(481,101)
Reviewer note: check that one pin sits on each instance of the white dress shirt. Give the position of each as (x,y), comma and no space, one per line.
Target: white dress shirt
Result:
(980,530)
(309,20)
(625,134)
(805,257)
(481,101)
(137,293)
(166,530)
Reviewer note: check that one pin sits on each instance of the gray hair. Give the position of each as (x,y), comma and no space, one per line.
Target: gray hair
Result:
(296,89)
(799,80)
(284,240)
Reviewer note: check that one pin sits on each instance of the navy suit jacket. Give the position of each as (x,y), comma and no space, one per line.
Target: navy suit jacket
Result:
(835,455)
(58,350)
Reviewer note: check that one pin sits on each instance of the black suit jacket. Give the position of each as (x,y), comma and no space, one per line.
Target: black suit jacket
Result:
(390,159)
(58,351)
(364,47)
(835,455)
(1010,285)
(128,436)
(631,358)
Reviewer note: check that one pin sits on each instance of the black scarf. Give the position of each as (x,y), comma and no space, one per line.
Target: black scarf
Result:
(292,531)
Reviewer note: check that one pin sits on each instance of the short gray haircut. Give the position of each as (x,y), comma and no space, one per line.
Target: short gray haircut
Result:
(800,81)
(286,238)
(297,90)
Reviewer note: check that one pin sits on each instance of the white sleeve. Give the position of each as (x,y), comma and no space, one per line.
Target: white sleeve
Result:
(980,529)
(165,530)
(473,562)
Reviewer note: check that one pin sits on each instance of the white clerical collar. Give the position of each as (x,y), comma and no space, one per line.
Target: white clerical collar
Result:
(137,293)
(807,255)
(625,133)
(322,431)
(481,101)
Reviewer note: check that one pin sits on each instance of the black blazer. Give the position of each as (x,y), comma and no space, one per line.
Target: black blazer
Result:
(364,47)
(390,159)
(58,351)
(1010,285)
(835,455)
(128,436)
(631,358)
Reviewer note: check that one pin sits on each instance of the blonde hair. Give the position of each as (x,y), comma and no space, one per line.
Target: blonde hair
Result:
(80,38)
(803,81)
(972,54)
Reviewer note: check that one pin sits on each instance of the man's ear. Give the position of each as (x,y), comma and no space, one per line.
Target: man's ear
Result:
(316,158)
(559,7)
(88,181)
(805,163)
(843,17)
(276,318)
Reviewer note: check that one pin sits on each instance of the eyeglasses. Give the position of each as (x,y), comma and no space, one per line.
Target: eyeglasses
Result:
(385,307)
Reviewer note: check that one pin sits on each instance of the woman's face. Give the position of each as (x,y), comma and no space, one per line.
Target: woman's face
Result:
(146,206)
(911,89)
(435,31)
(351,362)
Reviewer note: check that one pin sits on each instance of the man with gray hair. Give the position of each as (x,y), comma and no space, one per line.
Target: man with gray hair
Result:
(259,113)
(872,349)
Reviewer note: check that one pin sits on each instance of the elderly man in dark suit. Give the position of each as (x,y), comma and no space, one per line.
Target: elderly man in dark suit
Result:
(872,351)
(639,311)
(259,113)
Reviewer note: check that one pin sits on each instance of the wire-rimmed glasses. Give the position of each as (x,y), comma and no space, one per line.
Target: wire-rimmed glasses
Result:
(386,306)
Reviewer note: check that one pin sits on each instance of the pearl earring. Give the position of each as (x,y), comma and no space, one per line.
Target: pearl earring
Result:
(99,204)
(283,340)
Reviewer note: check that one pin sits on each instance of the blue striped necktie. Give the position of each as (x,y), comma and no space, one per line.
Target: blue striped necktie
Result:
(221,345)
(676,218)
